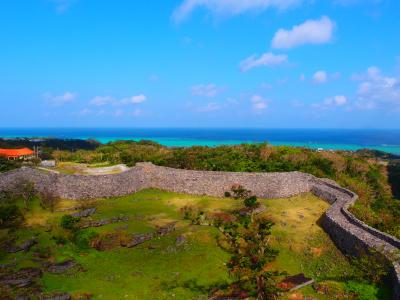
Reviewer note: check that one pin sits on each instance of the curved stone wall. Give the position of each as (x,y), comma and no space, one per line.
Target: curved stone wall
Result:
(348,233)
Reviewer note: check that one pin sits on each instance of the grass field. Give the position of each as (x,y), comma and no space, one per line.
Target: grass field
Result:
(84,169)
(163,269)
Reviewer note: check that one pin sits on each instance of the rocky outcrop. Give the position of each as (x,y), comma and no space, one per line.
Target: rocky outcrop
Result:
(25,246)
(349,233)
(22,278)
(103,222)
(62,267)
(84,213)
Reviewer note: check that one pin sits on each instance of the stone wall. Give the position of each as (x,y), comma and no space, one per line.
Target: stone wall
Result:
(145,175)
(348,233)
(77,186)
(264,185)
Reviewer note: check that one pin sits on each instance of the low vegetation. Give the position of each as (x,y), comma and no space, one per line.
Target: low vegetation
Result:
(161,245)
(8,165)
(373,175)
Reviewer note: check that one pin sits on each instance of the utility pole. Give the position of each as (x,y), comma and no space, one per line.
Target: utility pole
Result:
(36,151)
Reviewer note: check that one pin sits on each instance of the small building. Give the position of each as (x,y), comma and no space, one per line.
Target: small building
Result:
(48,163)
(23,153)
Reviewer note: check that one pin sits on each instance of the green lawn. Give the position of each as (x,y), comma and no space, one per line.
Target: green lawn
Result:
(161,269)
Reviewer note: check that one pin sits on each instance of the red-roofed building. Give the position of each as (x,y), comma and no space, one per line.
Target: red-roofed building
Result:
(23,153)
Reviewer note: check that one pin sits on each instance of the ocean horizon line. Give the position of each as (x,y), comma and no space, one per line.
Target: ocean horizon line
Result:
(193,128)
(387,140)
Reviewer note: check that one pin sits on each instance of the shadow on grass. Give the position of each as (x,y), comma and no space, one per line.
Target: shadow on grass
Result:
(393,170)
(193,286)
(384,293)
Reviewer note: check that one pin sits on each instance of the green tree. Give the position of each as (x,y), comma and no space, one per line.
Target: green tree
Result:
(239,192)
(371,267)
(252,255)
(251,202)
(48,200)
(69,222)
(26,190)
(7,165)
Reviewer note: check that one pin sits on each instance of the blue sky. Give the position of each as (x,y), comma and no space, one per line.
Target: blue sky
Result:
(200,63)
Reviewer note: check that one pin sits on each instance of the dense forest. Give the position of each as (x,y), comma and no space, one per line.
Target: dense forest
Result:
(373,175)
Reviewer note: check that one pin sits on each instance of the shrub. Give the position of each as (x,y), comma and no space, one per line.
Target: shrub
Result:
(83,237)
(59,239)
(362,291)
(221,218)
(370,267)
(69,222)
(239,192)
(7,165)
(227,194)
(42,251)
(26,190)
(250,202)
(189,212)
(48,200)
(251,255)
(10,216)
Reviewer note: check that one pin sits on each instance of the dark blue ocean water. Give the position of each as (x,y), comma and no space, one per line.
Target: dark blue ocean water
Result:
(345,139)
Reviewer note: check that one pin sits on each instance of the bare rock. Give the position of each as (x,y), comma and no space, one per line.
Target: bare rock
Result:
(62,267)
(167,229)
(180,240)
(57,296)
(138,239)
(104,222)
(292,283)
(25,246)
(20,283)
(22,278)
(84,213)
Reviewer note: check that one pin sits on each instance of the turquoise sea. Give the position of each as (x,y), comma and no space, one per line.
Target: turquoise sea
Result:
(337,139)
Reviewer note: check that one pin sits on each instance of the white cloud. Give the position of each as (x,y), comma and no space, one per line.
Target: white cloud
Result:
(85,112)
(266,60)
(346,2)
(310,32)
(258,103)
(331,102)
(212,106)
(375,89)
(118,113)
(229,7)
(63,5)
(206,90)
(133,100)
(336,101)
(59,100)
(320,77)
(137,112)
(266,86)
(297,103)
(102,100)
(352,2)
(109,100)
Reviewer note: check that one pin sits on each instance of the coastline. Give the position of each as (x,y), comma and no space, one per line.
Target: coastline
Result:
(327,139)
